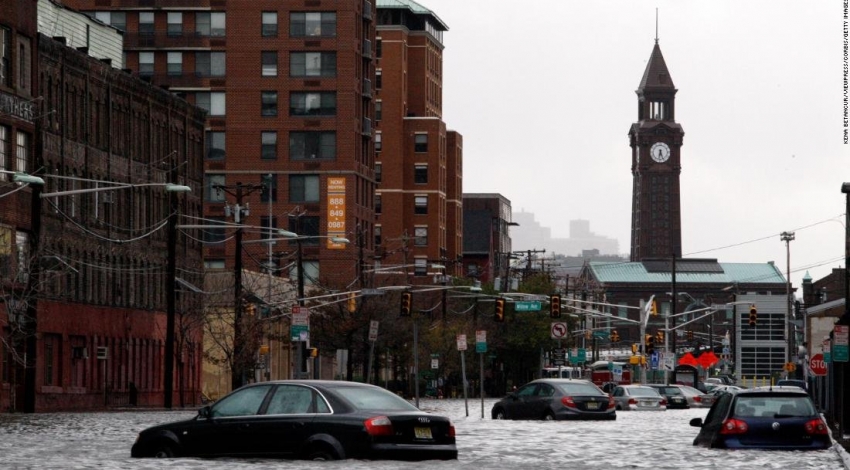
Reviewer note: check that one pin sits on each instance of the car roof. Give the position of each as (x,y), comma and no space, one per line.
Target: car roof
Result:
(562,381)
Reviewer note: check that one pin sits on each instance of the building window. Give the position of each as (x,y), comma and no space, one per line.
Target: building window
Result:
(312,145)
(312,24)
(379,110)
(379,172)
(306,226)
(146,27)
(210,23)
(379,82)
(213,194)
(312,104)
(312,64)
(212,102)
(420,267)
(269,225)
(378,205)
(379,49)
(420,236)
(304,188)
(377,233)
(269,103)
(116,19)
(23,152)
(175,63)
(214,263)
(51,359)
(420,205)
(269,63)
(269,145)
(215,235)
(210,64)
(175,23)
(420,143)
(5,56)
(420,174)
(270,190)
(269,23)
(378,141)
(215,145)
(146,63)
(5,149)
(22,243)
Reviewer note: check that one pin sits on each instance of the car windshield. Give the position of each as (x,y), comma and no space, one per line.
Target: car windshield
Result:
(580,389)
(366,398)
(773,406)
(643,392)
(670,391)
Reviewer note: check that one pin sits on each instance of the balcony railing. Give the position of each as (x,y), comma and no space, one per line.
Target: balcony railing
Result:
(367,87)
(367,9)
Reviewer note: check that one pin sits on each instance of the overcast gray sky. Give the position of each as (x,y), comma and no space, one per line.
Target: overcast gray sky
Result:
(543,92)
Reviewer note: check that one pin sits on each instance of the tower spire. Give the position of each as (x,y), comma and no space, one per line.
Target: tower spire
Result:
(656,25)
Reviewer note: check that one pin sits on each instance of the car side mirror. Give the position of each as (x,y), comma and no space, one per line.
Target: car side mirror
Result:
(204,412)
(696,422)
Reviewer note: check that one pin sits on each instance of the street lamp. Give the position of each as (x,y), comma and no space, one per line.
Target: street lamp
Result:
(787,237)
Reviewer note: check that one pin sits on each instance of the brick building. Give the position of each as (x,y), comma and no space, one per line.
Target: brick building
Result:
(288,87)
(84,278)
(418,161)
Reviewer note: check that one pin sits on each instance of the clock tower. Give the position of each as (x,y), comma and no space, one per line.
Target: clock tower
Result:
(656,141)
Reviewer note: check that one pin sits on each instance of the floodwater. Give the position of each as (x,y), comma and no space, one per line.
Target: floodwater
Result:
(651,440)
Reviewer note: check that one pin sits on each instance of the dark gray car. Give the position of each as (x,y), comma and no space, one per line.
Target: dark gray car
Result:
(556,399)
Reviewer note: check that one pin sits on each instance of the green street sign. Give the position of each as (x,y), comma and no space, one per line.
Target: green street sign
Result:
(840,353)
(527,306)
(481,347)
(600,334)
(295,331)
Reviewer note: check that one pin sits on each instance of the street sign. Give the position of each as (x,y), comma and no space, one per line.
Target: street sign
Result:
(840,351)
(653,360)
(527,306)
(373,330)
(817,364)
(602,334)
(559,330)
(481,341)
(461,342)
(371,292)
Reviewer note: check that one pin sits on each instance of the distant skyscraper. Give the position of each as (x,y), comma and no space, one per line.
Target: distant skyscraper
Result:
(531,235)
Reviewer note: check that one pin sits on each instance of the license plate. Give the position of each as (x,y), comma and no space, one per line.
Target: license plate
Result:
(647,403)
(592,405)
(422,433)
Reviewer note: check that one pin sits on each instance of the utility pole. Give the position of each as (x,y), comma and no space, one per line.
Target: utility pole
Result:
(171,292)
(239,191)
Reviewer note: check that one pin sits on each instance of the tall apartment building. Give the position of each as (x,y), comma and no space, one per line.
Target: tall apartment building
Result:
(288,87)
(418,161)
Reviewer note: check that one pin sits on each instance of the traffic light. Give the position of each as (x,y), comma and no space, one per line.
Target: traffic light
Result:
(634,348)
(615,337)
(352,302)
(650,344)
(753,315)
(690,334)
(653,309)
(555,306)
(250,309)
(588,334)
(659,337)
(499,311)
(313,352)
(406,304)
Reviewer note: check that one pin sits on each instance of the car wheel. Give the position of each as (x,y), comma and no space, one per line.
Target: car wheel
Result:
(549,416)
(499,414)
(321,453)
(163,450)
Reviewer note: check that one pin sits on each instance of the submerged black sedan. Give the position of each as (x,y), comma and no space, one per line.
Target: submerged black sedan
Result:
(763,418)
(556,399)
(305,419)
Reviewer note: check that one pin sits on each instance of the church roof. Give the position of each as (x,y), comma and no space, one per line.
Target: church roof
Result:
(656,74)
(687,271)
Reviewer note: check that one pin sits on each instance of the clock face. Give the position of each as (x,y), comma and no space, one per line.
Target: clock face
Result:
(660,152)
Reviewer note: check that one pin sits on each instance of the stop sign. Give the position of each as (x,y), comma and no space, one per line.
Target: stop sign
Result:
(817,365)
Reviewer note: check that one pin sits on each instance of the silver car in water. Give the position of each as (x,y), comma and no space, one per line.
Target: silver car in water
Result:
(638,397)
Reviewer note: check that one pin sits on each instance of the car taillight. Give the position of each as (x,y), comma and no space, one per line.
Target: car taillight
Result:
(663,402)
(379,426)
(611,402)
(632,401)
(698,399)
(568,402)
(816,426)
(451,429)
(733,426)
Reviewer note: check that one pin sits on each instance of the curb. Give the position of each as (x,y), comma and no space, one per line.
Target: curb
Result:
(842,453)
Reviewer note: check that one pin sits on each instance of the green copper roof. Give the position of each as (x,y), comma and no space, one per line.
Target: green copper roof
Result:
(636,272)
(413,7)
